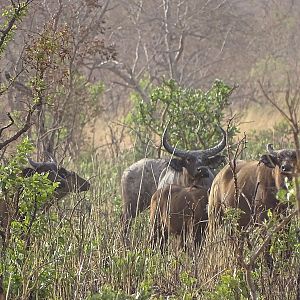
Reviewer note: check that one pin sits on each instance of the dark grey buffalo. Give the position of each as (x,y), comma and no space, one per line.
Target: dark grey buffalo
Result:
(69,181)
(193,161)
(141,180)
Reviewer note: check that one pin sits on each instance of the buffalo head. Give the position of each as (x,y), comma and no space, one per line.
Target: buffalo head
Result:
(284,163)
(69,181)
(194,160)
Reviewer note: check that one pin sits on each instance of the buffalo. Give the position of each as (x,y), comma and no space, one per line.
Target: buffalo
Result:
(257,184)
(192,161)
(180,211)
(141,180)
(254,190)
(69,181)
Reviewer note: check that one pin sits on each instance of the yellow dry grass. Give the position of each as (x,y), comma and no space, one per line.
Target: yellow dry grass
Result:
(109,129)
(258,118)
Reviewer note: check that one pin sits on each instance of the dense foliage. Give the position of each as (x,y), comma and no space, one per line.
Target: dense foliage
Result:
(192,115)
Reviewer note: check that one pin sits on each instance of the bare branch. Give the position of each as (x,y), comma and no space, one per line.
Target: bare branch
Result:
(180,50)
(120,70)
(273,102)
(7,126)
(24,129)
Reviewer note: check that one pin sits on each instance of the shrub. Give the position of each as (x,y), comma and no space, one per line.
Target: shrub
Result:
(193,115)
(23,198)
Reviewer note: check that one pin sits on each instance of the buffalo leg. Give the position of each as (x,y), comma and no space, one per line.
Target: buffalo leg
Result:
(126,224)
(159,234)
(127,216)
(200,232)
(130,211)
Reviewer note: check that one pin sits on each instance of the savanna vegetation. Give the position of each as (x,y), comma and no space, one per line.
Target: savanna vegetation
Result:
(130,69)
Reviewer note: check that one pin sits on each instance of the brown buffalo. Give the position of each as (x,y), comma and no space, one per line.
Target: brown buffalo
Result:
(180,211)
(144,177)
(257,182)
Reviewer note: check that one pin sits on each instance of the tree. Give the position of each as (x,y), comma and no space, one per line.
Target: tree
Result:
(51,70)
(11,16)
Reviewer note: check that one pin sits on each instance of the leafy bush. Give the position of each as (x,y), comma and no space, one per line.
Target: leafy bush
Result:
(230,287)
(22,202)
(193,115)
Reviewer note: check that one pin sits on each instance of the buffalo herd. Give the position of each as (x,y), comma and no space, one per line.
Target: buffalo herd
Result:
(184,194)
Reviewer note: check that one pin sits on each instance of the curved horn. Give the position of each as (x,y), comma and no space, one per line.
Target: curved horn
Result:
(171,149)
(44,165)
(51,157)
(270,149)
(218,148)
(34,164)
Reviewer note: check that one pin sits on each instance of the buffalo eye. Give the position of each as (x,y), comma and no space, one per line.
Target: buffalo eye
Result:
(286,168)
(63,173)
(188,160)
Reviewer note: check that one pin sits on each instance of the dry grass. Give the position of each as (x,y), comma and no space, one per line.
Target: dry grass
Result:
(253,117)
(81,253)
(258,117)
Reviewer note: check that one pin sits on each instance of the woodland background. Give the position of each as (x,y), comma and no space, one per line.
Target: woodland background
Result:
(75,76)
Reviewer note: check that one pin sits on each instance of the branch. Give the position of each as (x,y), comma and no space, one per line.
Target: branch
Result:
(18,10)
(7,126)
(273,102)
(21,87)
(24,129)
(232,160)
(120,70)
(104,9)
(267,240)
(181,48)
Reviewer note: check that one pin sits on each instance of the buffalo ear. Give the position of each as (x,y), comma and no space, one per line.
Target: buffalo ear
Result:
(268,160)
(215,161)
(27,172)
(176,164)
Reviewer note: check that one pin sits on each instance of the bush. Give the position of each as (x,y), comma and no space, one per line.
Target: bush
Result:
(22,202)
(193,115)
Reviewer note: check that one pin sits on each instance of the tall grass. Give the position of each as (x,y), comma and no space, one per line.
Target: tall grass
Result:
(81,254)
